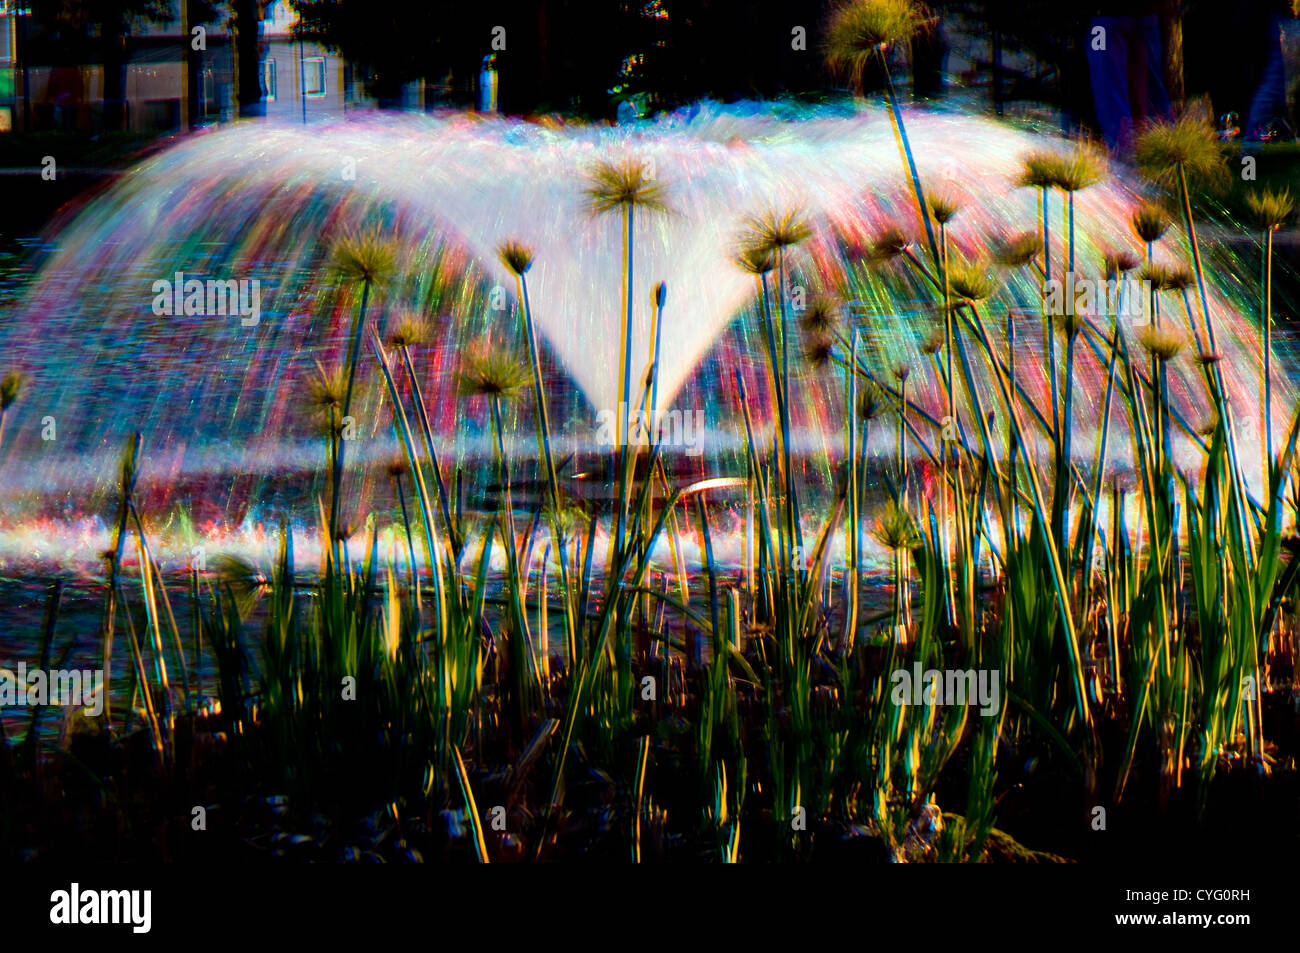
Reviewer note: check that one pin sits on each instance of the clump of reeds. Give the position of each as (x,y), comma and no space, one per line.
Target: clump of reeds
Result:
(787,706)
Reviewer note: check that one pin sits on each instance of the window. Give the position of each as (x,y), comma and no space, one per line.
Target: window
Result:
(268,80)
(313,76)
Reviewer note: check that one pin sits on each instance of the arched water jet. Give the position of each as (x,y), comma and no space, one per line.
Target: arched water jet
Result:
(260,202)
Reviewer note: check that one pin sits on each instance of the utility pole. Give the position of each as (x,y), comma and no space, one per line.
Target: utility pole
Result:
(20,16)
(997,70)
(187,117)
(302,80)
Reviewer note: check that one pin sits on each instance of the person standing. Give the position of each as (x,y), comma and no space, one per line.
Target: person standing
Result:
(1126,68)
(1267,117)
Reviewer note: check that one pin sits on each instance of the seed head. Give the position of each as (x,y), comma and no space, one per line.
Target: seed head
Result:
(1084,167)
(1020,249)
(861,30)
(871,401)
(818,349)
(890,243)
(944,206)
(515,256)
(328,389)
(493,374)
(1165,278)
(619,185)
(1163,342)
(369,257)
(1040,170)
(1149,222)
(773,231)
(1189,144)
(820,316)
(407,329)
(1118,262)
(756,261)
(1271,210)
(969,282)
(894,529)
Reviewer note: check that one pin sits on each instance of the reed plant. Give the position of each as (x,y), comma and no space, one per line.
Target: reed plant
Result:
(860,34)
(1272,210)
(696,708)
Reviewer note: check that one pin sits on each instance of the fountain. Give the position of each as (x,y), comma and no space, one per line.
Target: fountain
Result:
(219,396)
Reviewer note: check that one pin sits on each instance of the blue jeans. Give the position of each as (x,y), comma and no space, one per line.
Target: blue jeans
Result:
(1270,99)
(1128,85)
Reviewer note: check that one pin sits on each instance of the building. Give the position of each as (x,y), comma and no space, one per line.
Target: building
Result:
(299,79)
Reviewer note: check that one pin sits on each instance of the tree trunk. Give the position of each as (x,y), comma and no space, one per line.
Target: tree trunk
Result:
(115,116)
(248,50)
(191,78)
(1173,30)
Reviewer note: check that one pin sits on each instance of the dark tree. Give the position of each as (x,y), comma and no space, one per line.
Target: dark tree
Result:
(247,15)
(392,43)
(579,55)
(1052,32)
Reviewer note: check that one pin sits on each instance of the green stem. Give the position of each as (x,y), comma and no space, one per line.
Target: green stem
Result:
(353,355)
(457,544)
(1216,373)
(905,144)
(544,445)
(1266,322)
